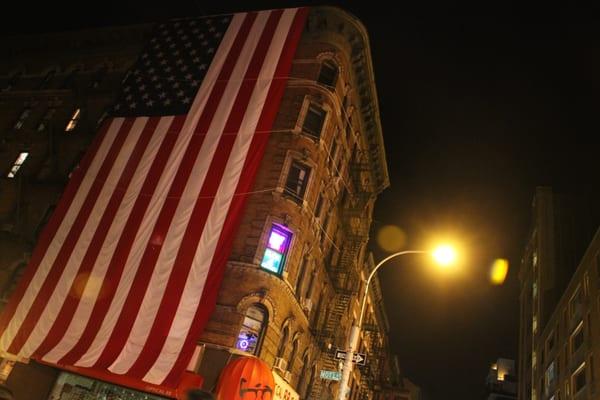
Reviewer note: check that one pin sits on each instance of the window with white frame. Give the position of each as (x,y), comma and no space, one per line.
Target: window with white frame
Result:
(72,124)
(276,249)
(297,181)
(314,121)
(17,164)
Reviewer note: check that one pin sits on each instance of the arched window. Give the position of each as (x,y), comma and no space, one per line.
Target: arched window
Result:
(253,329)
(285,336)
(294,354)
(303,380)
(328,74)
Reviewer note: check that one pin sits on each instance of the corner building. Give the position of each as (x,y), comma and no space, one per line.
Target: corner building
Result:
(290,289)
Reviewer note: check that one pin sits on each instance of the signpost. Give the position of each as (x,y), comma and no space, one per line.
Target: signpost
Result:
(357,358)
(331,375)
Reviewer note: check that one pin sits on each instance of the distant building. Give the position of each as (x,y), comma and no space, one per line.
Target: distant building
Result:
(559,300)
(501,382)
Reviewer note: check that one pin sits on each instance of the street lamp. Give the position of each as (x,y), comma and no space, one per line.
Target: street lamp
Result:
(444,255)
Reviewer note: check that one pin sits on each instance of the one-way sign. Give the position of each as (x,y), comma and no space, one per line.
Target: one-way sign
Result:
(357,358)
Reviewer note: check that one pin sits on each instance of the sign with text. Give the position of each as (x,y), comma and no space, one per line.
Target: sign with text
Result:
(331,375)
(283,390)
(357,358)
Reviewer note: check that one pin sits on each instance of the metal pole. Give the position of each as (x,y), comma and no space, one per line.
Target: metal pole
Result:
(355,331)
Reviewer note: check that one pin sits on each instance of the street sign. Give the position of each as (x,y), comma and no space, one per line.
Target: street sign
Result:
(331,375)
(357,358)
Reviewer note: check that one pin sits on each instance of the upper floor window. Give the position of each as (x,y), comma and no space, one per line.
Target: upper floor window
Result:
(46,118)
(22,118)
(74,120)
(577,338)
(278,244)
(579,379)
(253,329)
(297,181)
(98,77)
(12,81)
(17,164)
(314,121)
(45,82)
(70,78)
(328,74)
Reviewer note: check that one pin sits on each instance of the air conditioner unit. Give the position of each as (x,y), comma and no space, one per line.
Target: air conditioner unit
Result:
(307,305)
(287,376)
(280,364)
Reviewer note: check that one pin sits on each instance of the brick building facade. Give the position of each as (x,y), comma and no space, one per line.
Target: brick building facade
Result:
(291,302)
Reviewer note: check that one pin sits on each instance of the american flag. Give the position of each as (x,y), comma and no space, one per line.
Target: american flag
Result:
(126,273)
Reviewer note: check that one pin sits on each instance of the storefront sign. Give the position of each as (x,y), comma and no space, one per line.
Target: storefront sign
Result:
(283,390)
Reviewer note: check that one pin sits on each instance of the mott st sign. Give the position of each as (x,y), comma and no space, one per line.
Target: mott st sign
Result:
(357,358)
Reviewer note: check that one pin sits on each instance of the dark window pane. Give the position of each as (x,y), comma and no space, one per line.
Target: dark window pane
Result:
(314,120)
(328,74)
(297,179)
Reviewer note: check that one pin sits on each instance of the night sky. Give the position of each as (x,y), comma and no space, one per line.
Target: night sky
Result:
(478,107)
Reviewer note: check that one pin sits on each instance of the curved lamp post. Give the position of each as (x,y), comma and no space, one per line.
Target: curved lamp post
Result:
(444,255)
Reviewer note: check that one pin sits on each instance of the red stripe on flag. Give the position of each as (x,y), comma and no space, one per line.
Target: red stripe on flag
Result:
(62,258)
(64,317)
(130,310)
(117,263)
(187,250)
(51,228)
(251,165)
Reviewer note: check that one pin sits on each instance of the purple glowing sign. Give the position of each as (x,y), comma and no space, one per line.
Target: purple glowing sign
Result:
(277,247)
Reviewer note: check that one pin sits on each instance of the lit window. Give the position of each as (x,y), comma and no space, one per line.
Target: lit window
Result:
(535,290)
(17,164)
(534,324)
(328,74)
(73,121)
(534,258)
(278,244)
(314,120)
(22,118)
(252,329)
(297,180)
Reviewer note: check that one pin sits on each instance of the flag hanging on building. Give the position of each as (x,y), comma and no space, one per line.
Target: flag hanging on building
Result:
(126,272)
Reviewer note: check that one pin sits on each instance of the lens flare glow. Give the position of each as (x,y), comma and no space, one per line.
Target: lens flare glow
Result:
(444,255)
(498,271)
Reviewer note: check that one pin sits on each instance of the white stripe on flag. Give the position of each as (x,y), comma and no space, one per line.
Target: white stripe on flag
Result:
(90,294)
(56,243)
(168,252)
(216,217)
(156,204)
(53,306)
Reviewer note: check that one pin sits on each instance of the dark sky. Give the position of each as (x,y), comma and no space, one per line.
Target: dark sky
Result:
(479,106)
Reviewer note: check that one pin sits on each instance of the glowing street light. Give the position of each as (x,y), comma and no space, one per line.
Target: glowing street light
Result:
(444,255)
